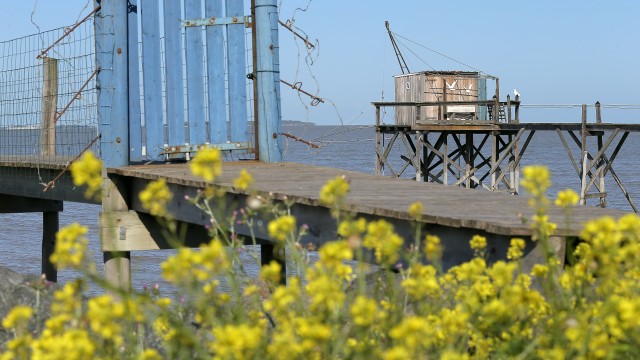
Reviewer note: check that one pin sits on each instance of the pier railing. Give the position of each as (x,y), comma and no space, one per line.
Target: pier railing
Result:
(469,111)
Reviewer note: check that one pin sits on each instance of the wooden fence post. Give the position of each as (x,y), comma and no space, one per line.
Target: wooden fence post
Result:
(49,106)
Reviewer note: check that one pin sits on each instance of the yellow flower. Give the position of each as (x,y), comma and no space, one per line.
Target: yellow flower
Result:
(536,179)
(349,228)
(18,317)
(422,282)
(334,191)
(70,246)
(478,242)
(363,310)
(386,243)
(567,198)
(516,249)
(236,341)
(271,272)
(189,266)
(539,270)
(150,354)
(432,247)
(103,314)
(155,197)
(207,164)
(415,210)
(282,227)
(88,171)
(243,181)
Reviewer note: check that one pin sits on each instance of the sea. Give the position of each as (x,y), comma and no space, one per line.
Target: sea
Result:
(344,147)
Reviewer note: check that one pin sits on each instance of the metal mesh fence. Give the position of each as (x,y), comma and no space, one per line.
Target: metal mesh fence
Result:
(48,100)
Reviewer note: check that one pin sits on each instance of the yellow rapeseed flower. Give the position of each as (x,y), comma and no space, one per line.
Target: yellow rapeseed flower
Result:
(386,243)
(432,247)
(104,314)
(334,191)
(536,180)
(236,341)
(155,197)
(207,164)
(478,242)
(567,198)
(71,243)
(18,317)
(516,249)
(243,181)
(282,227)
(415,210)
(271,272)
(87,171)
(363,311)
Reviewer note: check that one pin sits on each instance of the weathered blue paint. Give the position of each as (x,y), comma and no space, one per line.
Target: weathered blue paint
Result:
(236,64)
(213,20)
(113,95)
(215,75)
(150,18)
(195,75)
(268,77)
(173,72)
(135,120)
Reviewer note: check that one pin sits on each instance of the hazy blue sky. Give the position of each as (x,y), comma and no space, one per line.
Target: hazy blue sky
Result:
(553,52)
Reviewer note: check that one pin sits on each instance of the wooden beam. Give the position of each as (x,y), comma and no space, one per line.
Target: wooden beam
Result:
(22,204)
(136,231)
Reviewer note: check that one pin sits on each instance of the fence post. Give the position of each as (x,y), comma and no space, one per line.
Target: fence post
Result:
(113,119)
(268,78)
(49,106)
(598,113)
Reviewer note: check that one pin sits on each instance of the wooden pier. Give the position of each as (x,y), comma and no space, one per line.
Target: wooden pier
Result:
(39,181)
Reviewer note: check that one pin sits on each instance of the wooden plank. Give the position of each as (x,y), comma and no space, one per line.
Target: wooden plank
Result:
(173,51)
(152,76)
(135,116)
(49,106)
(195,75)
(236,64)
(215,75)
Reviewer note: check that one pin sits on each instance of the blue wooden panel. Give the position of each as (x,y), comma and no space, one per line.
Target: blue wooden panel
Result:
(173,72)
(111,34)
(195,75)
(135,119)
(150,15)
(215,75)
(237,74)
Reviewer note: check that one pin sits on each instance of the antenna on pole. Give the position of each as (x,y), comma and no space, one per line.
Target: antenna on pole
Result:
(403,64)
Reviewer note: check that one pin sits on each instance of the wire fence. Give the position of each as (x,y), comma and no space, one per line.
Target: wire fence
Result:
(48,100)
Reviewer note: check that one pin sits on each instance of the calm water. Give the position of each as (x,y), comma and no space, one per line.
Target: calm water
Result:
(350,148)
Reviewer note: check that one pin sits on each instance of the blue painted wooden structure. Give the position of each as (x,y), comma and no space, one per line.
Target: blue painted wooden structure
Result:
(174,78)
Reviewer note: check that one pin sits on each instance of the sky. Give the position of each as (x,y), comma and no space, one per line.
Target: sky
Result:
(553,52)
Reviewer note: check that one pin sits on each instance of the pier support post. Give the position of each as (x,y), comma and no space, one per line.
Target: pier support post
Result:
(268,253)
(50,226)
